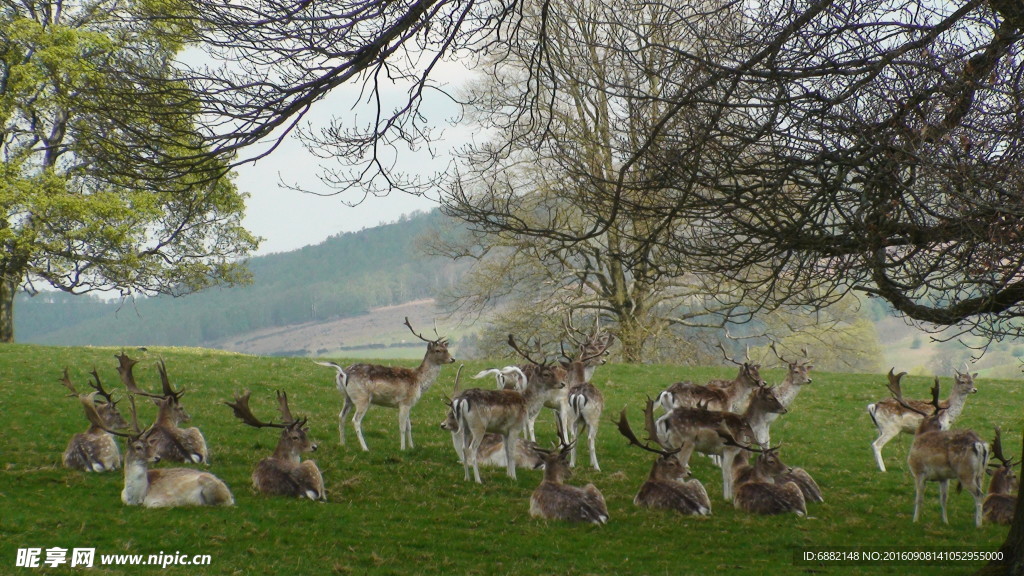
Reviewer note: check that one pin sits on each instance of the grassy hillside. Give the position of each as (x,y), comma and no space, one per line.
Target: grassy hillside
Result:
(393,512)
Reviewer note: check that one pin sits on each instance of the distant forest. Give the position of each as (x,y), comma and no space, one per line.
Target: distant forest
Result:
(346,275)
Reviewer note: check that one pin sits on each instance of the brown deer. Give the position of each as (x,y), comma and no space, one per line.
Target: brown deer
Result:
(758,492)
(803,480)
(1001,500)
(94,450)
(719,395)
(798,375)
(940,455)
(555,500)
(668,486)
(505,412)
(284,473)
(891,418)
(363,385)
(709,431)
(165,487)
(174,443)
(586,403)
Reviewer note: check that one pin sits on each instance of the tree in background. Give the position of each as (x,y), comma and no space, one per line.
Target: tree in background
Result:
(84,124)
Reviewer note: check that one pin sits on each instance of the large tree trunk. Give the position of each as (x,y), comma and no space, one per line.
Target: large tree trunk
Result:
(1012,563)
(8,288)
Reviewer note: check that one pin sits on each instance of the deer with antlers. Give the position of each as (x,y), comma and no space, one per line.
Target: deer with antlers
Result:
(94,450)
(284,473)
(174,443)
(892,418)
(668,486)
(479,412)
(720,395)
(363,385)
(165,487)
(555,500)
(798,375)
(939,455)
(758,489)
(714,432)
(1001,501)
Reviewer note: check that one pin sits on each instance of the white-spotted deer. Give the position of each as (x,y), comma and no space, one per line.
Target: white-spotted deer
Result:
(363,385)
(1001,500)
(94,450)
(714,432)
(668,486)
(284,473)
(505,412)
(892,419)
(758,492)
(719,395)
(939,455)
(164,487)
(798,375)
(555,500)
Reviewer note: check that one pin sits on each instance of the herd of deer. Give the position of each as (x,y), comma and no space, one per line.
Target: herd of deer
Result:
(728,420)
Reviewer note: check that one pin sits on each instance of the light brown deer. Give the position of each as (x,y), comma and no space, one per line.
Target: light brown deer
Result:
(1001,501)
(164,487)
(798,375)
(586,403)
(891,418)
(505,412)
(363,385)
(668,486)
(94,450)
(555,500)
(720,395)
(284,473)
(939,455)
(757,491)
(714,432)
(174,443)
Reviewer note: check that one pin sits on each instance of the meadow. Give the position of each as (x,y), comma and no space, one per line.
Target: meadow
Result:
(394,512)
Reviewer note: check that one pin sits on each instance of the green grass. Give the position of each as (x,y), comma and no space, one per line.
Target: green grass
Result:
(393,512)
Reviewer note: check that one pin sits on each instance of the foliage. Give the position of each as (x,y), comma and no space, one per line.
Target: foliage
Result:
(392,512)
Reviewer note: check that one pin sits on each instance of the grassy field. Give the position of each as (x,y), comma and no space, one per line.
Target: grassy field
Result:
(393,512)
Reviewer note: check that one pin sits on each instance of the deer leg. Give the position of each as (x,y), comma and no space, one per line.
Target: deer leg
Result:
(357,423)
(474,451)
(404,426)
(918,495)
(467,440)
(345,409)
(943,494)
(884,436)
(575,434)
(592,442)
(728,456)
(510,454)
(530,421)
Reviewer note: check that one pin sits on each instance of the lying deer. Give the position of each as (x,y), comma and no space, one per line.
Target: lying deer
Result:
(668,486)
(939,455)
(555,500)
(758,492)
(505,412)
(284,473)
(1001,502)
(891,418)
(166,487)
(363,385)
(94,450)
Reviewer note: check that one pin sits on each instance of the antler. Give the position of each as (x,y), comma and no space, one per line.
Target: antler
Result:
(124,370)
(243,413)
(997,450)
(98,387)
(282,406)
(420,336)
(66,381)
(897,392)
(626,431)
(89,403)
(512,343)
(166,383)
(725,354)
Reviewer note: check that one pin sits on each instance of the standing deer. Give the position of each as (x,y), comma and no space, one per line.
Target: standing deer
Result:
(166,487)
(586,403)
(1001,501)
(555,500)
(363,385)
(798,374)
(284,473)
(758,491)
(505,412)
(891,418)
(94,450)
(668,486)
(720,395)
(939,455)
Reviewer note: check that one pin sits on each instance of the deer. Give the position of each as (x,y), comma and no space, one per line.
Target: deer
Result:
(709,431)
(668,486)
(94,450)
(720,395)
(284,473)
(511,377)
(365,385)
(165,487)
(940,455)
(492,448)
(803,480)
(891,418)
(586,403)
(505,412)
(758,490)
(174,443)
(553,499)
(1001,501)
(798,375)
